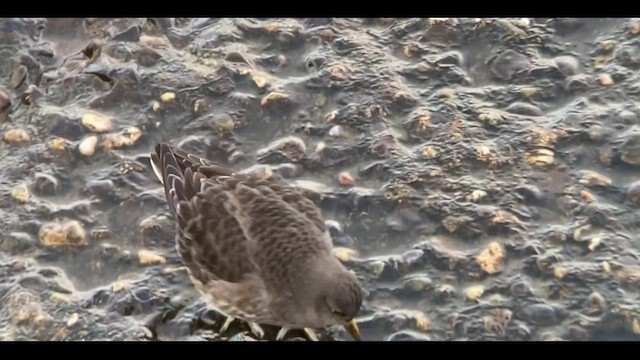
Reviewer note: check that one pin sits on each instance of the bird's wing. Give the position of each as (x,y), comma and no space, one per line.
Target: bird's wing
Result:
(283,238)
(213,171)
(208,238)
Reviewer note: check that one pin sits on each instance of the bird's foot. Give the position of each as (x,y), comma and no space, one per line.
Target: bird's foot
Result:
(310,333)
(281,334)
(256,329)
(226,324)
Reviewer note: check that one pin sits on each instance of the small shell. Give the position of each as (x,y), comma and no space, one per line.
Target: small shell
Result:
(543,137)
(606,268)
(88,145)
(271,27)
(605,79)
(73,319)
(199,105)
(152,40)
(491,116)
(491,258)
(559,272)
(223,123)
(587,196)
(339,72)
(435,21)
(474,292)
(589,177)
(503,217)
(630,159)
(423,68)
(155,106)
(445,291)
(58,144)
(635,326)
(292,147)
(582,233)
(496,299)
(117,286)
(522,22)
(345,179)
(101,233)
(59,298)
(338,131)
(263,172)
(167,97)
(320,147)
(594,243)
(5,101)
(528,92)
(243,71)
(20,194)
(540,157)
(16,136)
(635,27)
(147,257)
(69,233)
(423,120)
(345,254)
(75,232)
(52,234)
(97,123)
(417,283)
(453,223)
(319,99)
(326,34)
(127,138)
(260,81)
(377,267)
(596,303)
(422,322)
(149,223)
(605,157)
(482,152)
(404,97)
(411,49)
(273,97)
(429,152)
(476,195)
(633,193)
(331,116)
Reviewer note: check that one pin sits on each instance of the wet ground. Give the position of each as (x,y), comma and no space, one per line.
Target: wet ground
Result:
(481,176)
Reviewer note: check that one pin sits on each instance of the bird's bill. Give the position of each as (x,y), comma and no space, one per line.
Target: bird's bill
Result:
(352,328)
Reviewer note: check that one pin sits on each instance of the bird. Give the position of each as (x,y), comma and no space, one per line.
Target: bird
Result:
(256,250)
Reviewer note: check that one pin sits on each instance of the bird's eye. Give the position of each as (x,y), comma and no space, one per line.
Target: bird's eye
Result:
(339,313)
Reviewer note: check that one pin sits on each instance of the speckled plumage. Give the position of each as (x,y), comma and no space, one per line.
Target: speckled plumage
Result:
(258,250)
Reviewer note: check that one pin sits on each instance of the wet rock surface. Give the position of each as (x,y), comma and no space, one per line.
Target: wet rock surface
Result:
(482,177)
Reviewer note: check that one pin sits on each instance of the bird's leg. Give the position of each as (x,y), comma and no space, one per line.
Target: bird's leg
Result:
(256,329)
(226,324)
(311,334)
(281,334)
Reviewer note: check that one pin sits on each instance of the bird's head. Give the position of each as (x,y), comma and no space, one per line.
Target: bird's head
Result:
(335,297)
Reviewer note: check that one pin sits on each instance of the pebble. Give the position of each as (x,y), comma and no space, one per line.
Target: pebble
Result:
(5,101)
(16,136)
(147,257)
(345,179)
(97,123)
(506,65)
